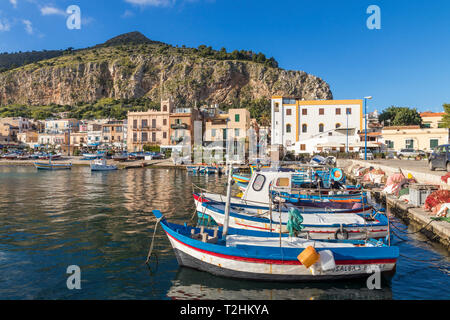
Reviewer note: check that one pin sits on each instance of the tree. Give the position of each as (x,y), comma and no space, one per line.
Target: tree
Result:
(446,117)
(400,116)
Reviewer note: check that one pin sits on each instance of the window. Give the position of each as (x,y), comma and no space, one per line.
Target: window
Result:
(258,184)
(164,135)
(236,132)
(338,110)
(213,132)
(390,144)
(321,127)
(144,123)
(288,112)
(349,110)
(434,143)
(237,118)
(426,125)
(144,137)
(304,128)
(164,122)
(282,182)
(277,107)
(288,128)
(321,111)
(135,124)
(409,143)
(338,125)
(164,108)
(304,112)
(302,147)
(153,136)
(153,123)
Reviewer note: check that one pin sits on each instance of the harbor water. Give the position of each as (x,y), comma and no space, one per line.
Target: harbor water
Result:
(102,222)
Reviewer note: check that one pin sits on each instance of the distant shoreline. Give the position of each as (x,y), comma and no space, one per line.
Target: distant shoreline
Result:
(77,162)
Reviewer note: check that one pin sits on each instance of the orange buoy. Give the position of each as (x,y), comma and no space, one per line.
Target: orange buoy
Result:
(308,257)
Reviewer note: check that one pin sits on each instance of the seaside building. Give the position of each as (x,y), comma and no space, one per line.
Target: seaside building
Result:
(316,125)
(114,134)
(426,138)
(78,140)
(234,124)
(58,126)
(164,128)
(57,140)
(30,138)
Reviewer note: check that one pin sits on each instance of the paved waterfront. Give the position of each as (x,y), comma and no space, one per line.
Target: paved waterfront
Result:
(415,165)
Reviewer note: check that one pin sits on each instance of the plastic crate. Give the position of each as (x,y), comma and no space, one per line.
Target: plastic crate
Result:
(418,193)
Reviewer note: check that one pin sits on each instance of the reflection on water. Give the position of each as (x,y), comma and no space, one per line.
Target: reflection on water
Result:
(102,222)
(192,284)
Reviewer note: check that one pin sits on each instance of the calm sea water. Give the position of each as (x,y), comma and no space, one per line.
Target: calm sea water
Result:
(102,222)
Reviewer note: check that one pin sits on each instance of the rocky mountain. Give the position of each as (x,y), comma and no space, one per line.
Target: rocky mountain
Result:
(132,66)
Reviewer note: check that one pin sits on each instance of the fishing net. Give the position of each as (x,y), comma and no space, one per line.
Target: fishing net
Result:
(436,198)
(294,224)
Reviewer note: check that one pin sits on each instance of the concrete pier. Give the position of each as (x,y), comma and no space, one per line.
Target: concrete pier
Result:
(420,219)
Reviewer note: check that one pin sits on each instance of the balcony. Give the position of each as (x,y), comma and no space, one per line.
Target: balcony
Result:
(146,128)
(179,126)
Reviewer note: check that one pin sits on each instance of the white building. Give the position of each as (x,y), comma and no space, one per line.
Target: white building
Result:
(316,125)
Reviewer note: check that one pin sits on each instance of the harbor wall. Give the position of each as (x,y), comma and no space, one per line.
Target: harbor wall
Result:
(415,217)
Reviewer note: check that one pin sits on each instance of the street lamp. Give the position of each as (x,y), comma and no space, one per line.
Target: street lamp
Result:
(365,133)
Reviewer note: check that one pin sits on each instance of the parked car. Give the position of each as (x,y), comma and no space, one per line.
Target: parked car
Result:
(411,153)
(440,158)
(362,155)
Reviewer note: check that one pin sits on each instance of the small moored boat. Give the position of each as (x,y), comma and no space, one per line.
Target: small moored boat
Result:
(52,166)
(101,165)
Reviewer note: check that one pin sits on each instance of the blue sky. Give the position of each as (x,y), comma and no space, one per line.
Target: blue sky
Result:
(405,63)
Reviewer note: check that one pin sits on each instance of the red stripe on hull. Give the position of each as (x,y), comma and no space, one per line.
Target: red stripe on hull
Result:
(281,262)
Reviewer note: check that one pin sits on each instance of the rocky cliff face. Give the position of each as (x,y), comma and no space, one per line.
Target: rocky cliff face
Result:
(92,74)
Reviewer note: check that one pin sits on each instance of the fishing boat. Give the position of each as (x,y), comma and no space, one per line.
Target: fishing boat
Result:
(317,224)
(52,166)
(246,256)
(93,156)
(269,185)
(101,165)
(244,180)
(120,157)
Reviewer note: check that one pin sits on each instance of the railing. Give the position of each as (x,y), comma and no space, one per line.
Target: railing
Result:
(179,126)
(146,128)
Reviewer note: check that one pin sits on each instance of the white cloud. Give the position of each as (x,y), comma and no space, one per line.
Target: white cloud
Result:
(47,11)
(127,14)
(28,26)
(14,3)
(4,25)
(155,3)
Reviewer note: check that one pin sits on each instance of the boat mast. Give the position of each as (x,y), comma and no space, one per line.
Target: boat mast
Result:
(227,204)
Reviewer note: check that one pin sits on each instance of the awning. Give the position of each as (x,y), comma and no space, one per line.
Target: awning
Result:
(362,145)
(330,145)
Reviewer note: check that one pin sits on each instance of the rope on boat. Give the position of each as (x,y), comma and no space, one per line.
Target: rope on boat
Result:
(151,245)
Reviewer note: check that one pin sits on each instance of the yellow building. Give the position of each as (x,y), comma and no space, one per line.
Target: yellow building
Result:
(426,138)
